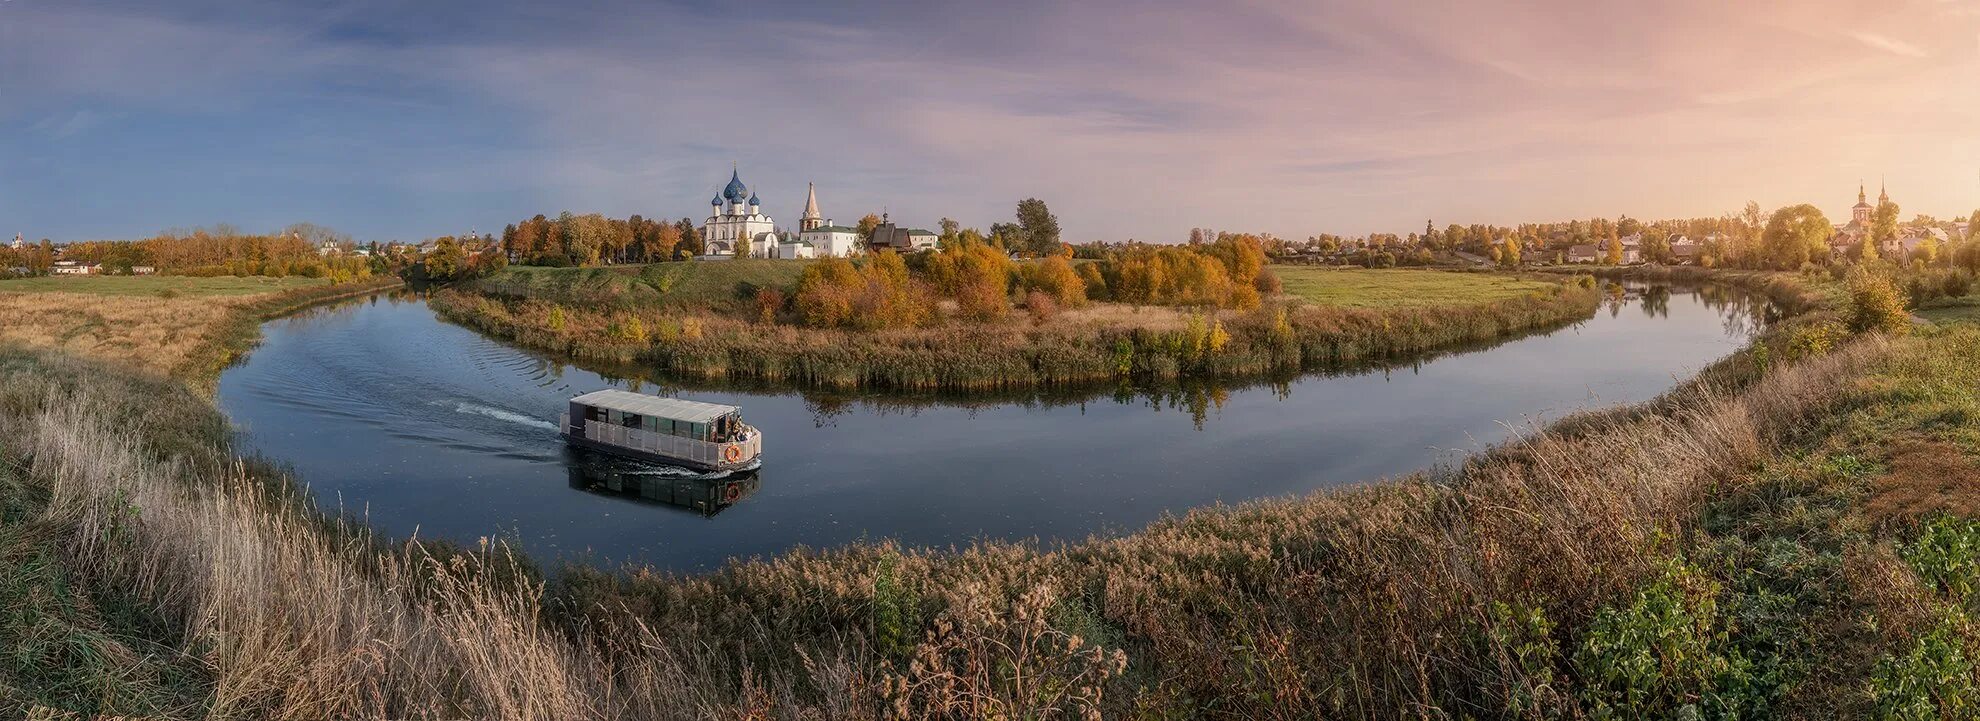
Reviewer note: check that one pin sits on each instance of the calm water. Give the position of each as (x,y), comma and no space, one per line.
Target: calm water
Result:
(427,427)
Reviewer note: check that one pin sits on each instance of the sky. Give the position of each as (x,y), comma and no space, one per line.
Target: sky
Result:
(1131,118)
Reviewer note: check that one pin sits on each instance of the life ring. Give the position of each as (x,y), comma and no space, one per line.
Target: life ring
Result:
(732,493)
(732,454)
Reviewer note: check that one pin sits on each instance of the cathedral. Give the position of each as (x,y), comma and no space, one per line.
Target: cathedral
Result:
(736,219)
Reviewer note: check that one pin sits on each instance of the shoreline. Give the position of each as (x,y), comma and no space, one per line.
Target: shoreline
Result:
(1281,337)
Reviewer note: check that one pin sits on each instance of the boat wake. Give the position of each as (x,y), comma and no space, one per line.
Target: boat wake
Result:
(502,415)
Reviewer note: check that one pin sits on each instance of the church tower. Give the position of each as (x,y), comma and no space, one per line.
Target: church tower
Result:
(810,219)
(1860,215)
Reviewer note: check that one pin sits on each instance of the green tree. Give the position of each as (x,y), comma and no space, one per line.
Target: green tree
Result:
(447,261)
(1040,227)
(1795,235)
(1884,222)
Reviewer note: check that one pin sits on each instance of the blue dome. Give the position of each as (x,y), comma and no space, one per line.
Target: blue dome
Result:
(735,190)
(717,200)
(752,199)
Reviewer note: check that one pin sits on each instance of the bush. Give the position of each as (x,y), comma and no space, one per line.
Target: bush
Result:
(1055,277)
(1957,284)
(1875,304)
(876,294)
(769,301)
(1041,306)
(1268,283)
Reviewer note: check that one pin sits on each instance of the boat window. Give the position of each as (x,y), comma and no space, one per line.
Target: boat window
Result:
(594,413)
(632,420)
(698,431)
(613,416)
(651,424)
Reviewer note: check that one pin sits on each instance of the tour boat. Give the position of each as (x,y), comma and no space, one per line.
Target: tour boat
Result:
(706,436)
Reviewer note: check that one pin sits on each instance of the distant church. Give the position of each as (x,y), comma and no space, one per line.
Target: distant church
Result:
(1862,214)
(736,219)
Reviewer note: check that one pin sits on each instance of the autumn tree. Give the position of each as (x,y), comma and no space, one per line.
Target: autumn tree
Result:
(1509,252)
(867,224)
(1615,249)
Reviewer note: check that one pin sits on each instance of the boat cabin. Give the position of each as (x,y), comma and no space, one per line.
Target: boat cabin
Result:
(668,430)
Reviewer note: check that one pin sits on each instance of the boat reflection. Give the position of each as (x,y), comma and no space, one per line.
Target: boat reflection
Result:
(703,492)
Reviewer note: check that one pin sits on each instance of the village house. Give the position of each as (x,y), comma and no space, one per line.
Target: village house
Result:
(1584,253)
(71,267)
(1684,250)
(888,236)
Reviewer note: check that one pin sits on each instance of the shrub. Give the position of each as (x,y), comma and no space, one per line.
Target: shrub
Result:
(1957,284)
(982,300)
(1875,304)
(556,320)
(769,301)
(1268,283)
(1041,306)
(628,327)
(1096,286)
(1812,339)
(1055,277)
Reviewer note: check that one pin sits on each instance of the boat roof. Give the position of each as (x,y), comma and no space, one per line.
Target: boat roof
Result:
(645,405)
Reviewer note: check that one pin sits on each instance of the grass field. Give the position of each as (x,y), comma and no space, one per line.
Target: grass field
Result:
(1378,289)
(155,285)
(700,284)
(1960,310)
(156,323)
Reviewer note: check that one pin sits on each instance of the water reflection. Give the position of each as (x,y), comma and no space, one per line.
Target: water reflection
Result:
(1744,313)
(704,493)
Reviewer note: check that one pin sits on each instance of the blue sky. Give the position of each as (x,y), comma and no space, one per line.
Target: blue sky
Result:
(1133,119)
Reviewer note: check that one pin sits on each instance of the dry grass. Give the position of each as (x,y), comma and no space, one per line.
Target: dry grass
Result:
(158,285)
(1926,479)
(152,333)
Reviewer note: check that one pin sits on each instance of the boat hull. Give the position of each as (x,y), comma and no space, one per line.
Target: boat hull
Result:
(580,441)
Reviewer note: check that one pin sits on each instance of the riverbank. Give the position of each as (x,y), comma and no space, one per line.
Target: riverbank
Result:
(1099,342)
(1724,548)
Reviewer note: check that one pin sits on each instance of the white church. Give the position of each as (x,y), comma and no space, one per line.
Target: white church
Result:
(736,218)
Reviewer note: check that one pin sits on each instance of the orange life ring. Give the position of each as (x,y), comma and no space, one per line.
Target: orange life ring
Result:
(732,453)
(731,493)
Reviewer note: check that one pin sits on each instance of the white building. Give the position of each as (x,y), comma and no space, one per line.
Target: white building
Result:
(736,219)
(19,242)
(826,239)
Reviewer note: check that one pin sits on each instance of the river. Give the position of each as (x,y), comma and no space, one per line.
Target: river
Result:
(426,428)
